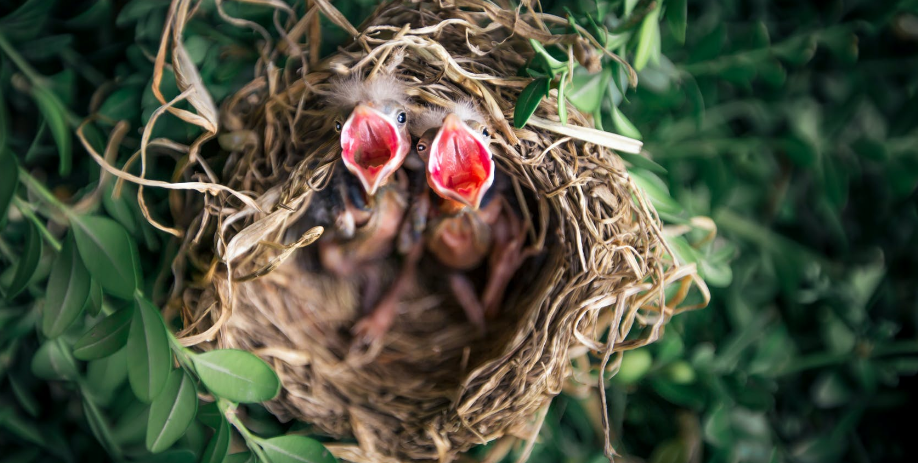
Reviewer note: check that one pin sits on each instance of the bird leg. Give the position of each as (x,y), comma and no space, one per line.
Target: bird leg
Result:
(380,318)
(506,258)
(465,294)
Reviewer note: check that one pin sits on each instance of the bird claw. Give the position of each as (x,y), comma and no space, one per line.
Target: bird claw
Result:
(370,329)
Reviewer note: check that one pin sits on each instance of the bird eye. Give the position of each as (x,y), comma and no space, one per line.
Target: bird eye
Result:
(485,132)
(402,117)
(337,126)
(422,147)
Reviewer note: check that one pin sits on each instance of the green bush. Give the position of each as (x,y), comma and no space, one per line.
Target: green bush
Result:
(791,125)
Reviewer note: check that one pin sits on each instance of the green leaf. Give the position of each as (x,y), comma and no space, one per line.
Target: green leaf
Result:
(108,251)
(28,263)
(122,104)
(296,449)
(24,396)
(648,38)
(98,12)
(27,21)
(637,160)
(589,89)
(562,101)
(171,412)
(635,364)
(149,357)
(717,428)
(9,180)
(529,100)
(4,140)
(95,298)
(101,429)
(106,338)
(171,456)
(241,457)
(656,190)
(105,375)
(237,375)
(676,18)
(68,291)
(55,114)
(544,62)
(210,415)
(52,363)
(219,444)
(623,126)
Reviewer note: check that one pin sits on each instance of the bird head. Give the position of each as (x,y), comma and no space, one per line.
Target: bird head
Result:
(459,162)
(373,127)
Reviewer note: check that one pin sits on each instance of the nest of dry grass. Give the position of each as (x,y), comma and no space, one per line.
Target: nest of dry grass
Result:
(601,281)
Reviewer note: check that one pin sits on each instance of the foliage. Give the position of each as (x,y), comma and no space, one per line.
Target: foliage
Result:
(790,125)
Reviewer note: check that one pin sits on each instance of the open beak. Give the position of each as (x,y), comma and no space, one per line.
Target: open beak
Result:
(372,148)
(460,165)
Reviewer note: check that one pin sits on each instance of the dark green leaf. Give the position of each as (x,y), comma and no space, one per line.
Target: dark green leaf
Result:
(210,415)
(171,456)
(24,396)
(95,298)
(139,9)
(100,428)
(171,412)
(28,262)
(122,104)
(27,21)
(646,163)
(237,375)
(51,362)
(219,444)
(105,375)
(68,291)
(676,14)
(529,100)
(19,427)
(149,357)
(296,449)
(131,427)
(55,114)
(98,13)
(9,179)
(242,457)
(5,162)
(106,338)
(107,251)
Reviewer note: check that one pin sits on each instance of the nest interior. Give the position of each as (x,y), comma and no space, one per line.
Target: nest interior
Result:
(596,283)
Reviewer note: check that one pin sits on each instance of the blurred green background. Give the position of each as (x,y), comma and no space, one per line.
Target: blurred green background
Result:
(791,124)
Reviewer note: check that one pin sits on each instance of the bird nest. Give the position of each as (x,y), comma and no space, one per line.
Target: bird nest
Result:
(600,279)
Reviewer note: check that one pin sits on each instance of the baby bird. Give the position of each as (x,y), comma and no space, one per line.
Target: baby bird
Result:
(462,232)
(370,210)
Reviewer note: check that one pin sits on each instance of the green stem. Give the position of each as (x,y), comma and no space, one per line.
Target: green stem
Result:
(23,65)
(252,441)
(27,211)
(39,189)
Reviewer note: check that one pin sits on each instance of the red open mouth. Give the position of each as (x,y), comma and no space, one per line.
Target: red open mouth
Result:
(460,166)
(370,147)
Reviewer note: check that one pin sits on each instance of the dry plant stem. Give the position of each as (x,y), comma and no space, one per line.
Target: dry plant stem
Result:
(434,389)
